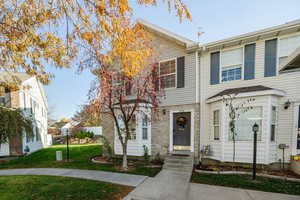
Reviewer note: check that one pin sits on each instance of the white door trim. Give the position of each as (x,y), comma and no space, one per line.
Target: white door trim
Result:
(192,127)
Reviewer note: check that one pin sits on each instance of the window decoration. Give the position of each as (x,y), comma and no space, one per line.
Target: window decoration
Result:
(167,71)
(181,122)
(216,124)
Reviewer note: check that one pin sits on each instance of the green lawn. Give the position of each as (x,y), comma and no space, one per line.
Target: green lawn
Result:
(245,182)
(58,188)
(80,159)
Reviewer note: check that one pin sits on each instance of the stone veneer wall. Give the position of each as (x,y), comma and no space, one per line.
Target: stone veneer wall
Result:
(161,129)
(108,128)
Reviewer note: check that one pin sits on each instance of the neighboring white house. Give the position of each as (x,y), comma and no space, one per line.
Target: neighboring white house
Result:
(32,100)
(262,65)
(67,128)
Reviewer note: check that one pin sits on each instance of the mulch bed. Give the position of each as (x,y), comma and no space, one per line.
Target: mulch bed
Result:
(283,173)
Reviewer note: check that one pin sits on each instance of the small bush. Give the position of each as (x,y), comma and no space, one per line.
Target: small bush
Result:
(146,153)
(83,134)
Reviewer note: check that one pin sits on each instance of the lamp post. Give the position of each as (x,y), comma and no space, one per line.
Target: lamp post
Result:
(255,130)
(68,145)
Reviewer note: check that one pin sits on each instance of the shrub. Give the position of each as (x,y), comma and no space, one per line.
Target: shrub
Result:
(146,153)
(83,134)
(107,151)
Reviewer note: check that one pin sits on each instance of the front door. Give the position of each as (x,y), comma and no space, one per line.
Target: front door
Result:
(15,146)
(182,131)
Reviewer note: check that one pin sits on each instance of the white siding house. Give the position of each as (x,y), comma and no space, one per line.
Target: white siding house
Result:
(32,100)
(262,65)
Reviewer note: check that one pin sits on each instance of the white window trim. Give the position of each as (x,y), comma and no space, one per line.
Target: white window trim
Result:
(233,66)
(166,60)
(214,125)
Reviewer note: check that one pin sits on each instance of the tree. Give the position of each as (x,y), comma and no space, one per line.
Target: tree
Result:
(31,33)
(13,123)
(123,97)
(85,117)
(234,112)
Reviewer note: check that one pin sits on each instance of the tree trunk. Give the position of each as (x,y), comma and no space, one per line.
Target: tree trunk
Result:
(125,164)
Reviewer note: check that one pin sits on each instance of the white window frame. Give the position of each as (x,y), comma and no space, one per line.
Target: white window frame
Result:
(145,126)
(168,74)
(216,125)
(232,66)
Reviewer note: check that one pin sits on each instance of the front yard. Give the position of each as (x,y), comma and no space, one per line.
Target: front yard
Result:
(79,159)
(58,188)
(245,182)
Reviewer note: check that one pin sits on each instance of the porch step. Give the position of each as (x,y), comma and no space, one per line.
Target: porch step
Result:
(179,162)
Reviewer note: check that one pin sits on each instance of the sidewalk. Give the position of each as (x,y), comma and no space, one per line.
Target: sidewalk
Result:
(111,177)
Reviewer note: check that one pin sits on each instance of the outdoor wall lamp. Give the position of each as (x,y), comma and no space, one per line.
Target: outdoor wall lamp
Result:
(287,104)
(164,111)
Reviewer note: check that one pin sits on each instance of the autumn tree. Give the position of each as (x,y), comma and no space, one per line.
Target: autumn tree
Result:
(36,33)
(85,117)
(123,97)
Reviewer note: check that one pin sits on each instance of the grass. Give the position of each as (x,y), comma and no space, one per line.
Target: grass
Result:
(80,159)
(245,182)
(58,188)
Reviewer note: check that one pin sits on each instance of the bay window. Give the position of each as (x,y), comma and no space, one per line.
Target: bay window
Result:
(167,74)
(231,64)
(216,124)
(273,123)
(245,122)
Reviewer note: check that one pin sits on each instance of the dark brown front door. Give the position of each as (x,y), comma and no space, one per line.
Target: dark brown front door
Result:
(181,130)
(298,135)
(16,146)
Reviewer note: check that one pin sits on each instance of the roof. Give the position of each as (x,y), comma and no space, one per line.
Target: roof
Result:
(70,124)
(13,77)
(292,62)
(274,31)
(167,34)
(241,90)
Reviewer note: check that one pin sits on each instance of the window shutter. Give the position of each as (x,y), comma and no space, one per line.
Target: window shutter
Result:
(215,68)
(155,77)
(270,57)
(180,72)
(249,62)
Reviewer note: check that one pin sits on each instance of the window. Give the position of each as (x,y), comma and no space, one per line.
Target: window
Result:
(216,124)
(27,138)
(287,46)
(167,71)
(132,128)
(231,64)
(24,100)
(273,123)
(245,122)
(38,134)
(145,127)
(232,74)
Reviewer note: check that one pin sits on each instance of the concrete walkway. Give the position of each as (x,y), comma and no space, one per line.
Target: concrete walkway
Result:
(209,192)
(117,178)
(167,185)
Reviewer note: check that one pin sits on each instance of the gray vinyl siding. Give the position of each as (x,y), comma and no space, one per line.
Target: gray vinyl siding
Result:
(185,95)
(249,62)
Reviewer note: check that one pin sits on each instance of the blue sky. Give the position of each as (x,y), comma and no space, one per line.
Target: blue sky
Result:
(219,19)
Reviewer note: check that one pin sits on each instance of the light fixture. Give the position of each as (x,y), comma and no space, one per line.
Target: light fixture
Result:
(287,104)
(255,127)
(164,111)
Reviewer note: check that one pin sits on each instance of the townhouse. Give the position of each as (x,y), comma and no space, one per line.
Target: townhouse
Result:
(262,65)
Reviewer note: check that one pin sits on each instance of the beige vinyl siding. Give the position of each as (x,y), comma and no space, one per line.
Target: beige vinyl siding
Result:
(177,96)
(288,82)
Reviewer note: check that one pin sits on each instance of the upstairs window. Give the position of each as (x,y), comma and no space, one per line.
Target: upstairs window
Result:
(167,72)
(231,65)
(287,46)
